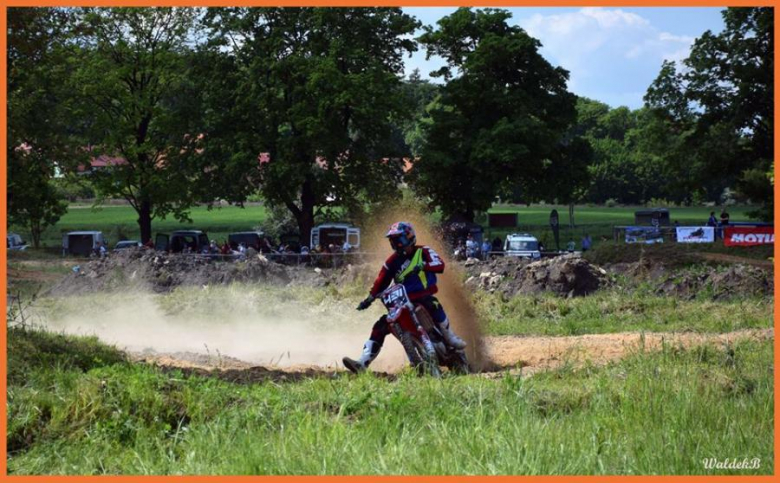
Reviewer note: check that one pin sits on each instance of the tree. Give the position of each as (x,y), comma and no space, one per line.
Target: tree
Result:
(499,122)
(319,91)
(130,71)
(723,103)
(421,93)
(37,116)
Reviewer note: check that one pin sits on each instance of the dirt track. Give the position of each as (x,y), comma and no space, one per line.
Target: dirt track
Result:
(516,354)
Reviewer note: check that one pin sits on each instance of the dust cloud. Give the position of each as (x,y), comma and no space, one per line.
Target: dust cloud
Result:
(238,322)
(265,325)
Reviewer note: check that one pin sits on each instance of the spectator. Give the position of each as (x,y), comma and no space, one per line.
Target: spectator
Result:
(724,217)
(471,247)
(304,250)
(541,247)
(225,250)
(712,220)
(346,247)
(586,243)
(102,250)
(486,249)
(149,244)
(213,248)
(497,245)
(571,246)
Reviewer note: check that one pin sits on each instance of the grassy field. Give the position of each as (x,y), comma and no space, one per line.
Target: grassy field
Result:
(118,221)
(76,407)
(609,311)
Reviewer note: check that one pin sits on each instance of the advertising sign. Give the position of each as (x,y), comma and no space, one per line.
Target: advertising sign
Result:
(643,234)
(695,234)
(748,235)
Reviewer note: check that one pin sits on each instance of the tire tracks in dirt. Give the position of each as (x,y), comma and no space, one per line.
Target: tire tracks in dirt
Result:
(517,355)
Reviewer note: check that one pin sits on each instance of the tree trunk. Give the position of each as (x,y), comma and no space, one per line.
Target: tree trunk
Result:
(305,215)
(35,233)
(145,220)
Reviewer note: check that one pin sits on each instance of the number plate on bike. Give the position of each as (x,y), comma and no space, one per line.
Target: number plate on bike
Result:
(396,295)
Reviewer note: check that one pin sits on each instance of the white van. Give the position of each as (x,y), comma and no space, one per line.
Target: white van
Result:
(335,234)
(522,245)
(81,242)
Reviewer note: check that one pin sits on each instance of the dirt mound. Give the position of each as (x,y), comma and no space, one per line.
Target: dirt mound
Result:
(161,272)
(721,282)
(568,275)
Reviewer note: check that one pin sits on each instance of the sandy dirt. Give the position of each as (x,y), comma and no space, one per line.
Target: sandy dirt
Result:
(517,355)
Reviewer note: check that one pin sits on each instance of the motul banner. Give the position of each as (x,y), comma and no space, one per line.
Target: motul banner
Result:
(695,234)
(747,235)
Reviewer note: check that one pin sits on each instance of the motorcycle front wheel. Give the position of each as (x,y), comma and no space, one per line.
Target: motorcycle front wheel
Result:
(419,357)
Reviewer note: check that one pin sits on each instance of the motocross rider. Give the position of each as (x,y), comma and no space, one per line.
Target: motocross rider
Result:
(416,267)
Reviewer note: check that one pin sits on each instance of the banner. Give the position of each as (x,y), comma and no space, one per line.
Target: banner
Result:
(748,235)
(643,234)
(695,234)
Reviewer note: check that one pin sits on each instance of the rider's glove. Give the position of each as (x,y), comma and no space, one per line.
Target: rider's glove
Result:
(365,303)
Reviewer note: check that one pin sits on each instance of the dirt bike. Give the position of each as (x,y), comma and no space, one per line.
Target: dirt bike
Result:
(421,339)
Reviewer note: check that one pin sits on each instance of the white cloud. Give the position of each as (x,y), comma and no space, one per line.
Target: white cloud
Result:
(604,47)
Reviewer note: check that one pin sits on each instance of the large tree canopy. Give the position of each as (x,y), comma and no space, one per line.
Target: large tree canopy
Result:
(501,118)
(317,89)
(131,73)
(39,137)
(722,104)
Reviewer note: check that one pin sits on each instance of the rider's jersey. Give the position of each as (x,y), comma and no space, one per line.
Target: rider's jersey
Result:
(418,285)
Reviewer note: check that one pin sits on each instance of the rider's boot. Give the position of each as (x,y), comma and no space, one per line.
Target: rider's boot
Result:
(450,337)
(370,351)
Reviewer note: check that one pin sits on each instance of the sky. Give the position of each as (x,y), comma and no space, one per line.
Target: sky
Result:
(612,54)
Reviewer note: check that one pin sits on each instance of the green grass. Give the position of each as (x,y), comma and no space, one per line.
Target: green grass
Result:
(652,413)
(614,310)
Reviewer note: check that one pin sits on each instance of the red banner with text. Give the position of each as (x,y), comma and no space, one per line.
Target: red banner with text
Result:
(748,235)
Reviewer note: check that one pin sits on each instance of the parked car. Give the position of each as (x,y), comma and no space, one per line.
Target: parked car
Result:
(124,244)
(14,241)
(522,245)
(182,240)
(248,238)
(82,243)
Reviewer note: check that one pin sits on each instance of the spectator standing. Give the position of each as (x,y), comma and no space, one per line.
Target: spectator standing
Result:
(571,246)
(103,250)
(586,243)
(471,247)
(724,221)
(712,221)
(724,217)
(486,249)
(497,244)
